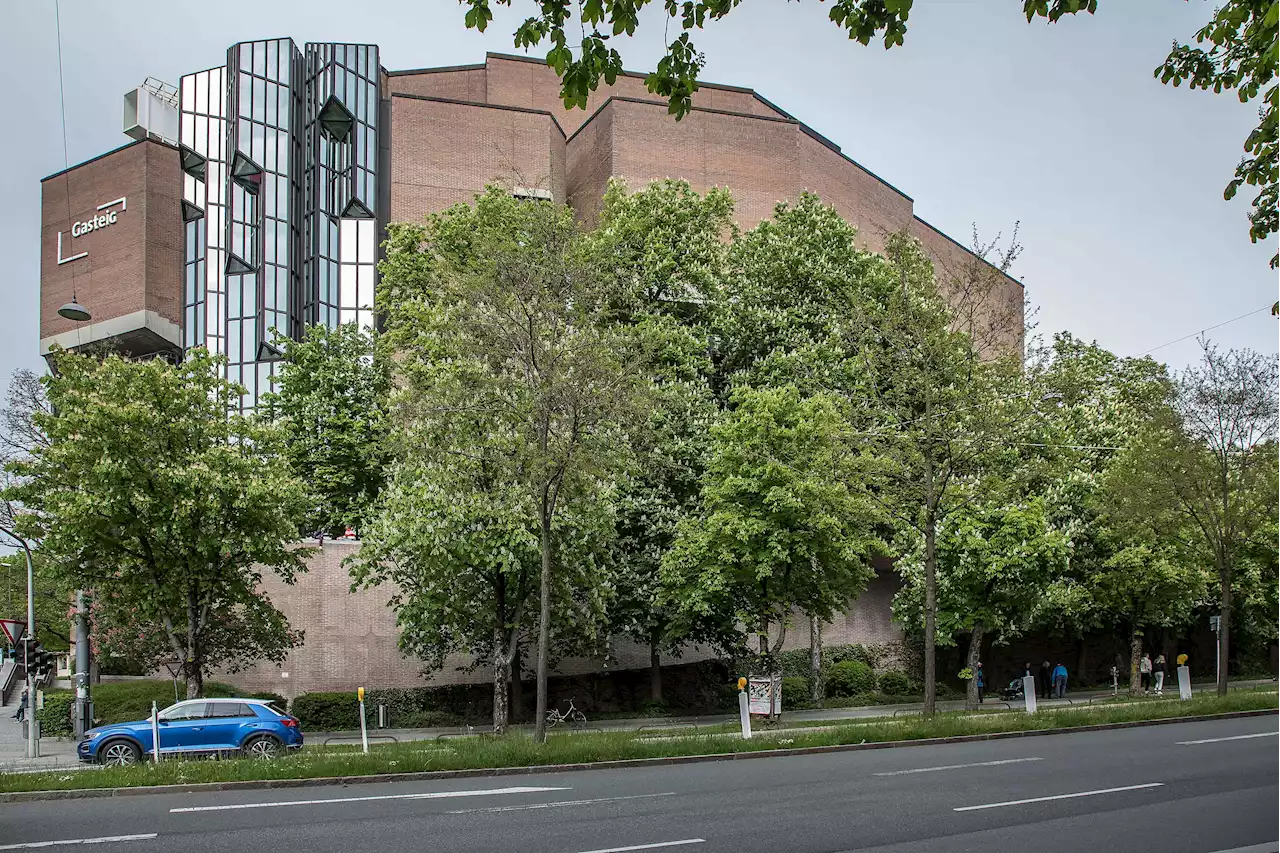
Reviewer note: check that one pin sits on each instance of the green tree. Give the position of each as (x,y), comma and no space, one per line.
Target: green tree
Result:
(1204,474)
(151,486)
(994,556)
(782,529)
(331,407)
(506,332)
(1142,586)
(1092,406)
(938,415)
(665,245)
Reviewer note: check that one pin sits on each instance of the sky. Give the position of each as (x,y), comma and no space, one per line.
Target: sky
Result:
(1114,179)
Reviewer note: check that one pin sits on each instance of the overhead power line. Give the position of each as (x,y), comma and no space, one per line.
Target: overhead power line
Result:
(1202,331)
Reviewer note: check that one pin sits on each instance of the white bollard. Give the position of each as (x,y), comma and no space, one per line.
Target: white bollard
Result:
(1029,692)
(744,715)
(1184,682)
(155,734)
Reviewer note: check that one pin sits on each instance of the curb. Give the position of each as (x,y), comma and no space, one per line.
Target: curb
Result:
(428,775)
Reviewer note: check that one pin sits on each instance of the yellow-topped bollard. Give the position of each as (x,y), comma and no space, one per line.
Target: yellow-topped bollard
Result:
(742,683)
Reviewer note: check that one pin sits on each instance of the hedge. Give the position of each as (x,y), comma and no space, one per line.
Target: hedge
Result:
(407,707)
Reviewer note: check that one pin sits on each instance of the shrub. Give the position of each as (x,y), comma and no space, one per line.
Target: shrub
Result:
(795,692)
(895,682)
(55,716)
(833,655)
(849,678)
(327,712)
(794,663)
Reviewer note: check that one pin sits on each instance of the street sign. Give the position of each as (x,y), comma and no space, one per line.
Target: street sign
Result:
(13,629)
(1214,622)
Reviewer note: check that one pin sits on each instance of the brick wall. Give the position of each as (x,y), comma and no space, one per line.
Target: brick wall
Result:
(444,152)
(461,84)
(133,265)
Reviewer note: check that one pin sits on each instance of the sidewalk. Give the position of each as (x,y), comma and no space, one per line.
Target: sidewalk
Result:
(667,723)
(54,752)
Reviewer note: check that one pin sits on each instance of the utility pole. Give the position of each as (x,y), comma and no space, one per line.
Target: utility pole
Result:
(84,707)
(33,724)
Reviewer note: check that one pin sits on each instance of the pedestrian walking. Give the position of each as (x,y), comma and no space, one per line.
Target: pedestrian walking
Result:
(1160,669)
(1059,681)
(1144,670)
(1045,681)
(978,674)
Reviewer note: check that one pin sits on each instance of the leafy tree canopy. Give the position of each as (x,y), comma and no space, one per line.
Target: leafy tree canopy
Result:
(151,485)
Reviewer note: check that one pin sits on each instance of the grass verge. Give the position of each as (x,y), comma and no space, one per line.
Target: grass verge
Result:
(520,751)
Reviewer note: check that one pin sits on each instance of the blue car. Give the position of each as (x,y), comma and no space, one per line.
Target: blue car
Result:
(250,727)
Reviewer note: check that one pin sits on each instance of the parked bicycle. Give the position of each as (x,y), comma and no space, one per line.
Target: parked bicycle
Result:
(572,716)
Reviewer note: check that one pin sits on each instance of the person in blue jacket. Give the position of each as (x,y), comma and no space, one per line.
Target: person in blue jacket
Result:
(981,680)
(1059,681)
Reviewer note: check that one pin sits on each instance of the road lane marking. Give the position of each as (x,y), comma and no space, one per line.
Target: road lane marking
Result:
(106,839)
(559,803)
(1220,739)
(434,795)
(956,766)
(1264,847)
(1059,797)
(648,846)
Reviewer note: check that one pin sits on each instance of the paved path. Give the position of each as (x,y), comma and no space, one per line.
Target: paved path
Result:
(1199,787)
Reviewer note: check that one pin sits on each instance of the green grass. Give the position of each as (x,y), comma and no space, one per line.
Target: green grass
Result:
(520,751)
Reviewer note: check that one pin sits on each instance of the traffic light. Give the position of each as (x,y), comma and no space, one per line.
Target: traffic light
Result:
(37,659)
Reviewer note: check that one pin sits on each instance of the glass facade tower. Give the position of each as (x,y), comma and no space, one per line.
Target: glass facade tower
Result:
(280,157)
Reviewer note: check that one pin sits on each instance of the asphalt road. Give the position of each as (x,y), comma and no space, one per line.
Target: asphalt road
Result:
(1146,789)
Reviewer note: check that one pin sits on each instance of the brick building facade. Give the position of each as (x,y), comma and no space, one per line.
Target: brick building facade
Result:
(259,215)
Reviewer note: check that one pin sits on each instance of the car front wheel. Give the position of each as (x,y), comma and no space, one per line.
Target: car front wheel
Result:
(118,753)
(263,747)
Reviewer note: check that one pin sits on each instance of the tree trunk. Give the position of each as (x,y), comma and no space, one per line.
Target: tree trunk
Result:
(815,660)
(930,609)
(971,661)
(544,628)
(517,685)
(655,673)
(1135,659)
(501,672)
(1224,631)
(194,664)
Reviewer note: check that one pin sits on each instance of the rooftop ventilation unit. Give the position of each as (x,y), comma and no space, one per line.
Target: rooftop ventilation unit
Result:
(151,111)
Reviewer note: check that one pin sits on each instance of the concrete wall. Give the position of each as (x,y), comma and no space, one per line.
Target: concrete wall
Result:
(351,636)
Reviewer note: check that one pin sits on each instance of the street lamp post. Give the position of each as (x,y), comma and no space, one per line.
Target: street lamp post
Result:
(33,725)
(76,312)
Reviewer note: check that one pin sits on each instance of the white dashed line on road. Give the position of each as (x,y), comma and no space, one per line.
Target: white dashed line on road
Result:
(1059,797)
(435,795)
(560,803)
(956,766)
(648,846)
(1220,739)
(106,839)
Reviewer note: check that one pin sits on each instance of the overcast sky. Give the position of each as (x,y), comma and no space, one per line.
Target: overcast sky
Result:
(981,118)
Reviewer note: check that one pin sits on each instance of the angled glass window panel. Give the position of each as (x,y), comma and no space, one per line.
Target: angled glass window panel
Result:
(356,209)
(336,120)
(267,351)
(246,173)
(347,286)
(347,246)
(187,90)
(190,212)
(273,58)
(201,104)
(192,163)
(237,265)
